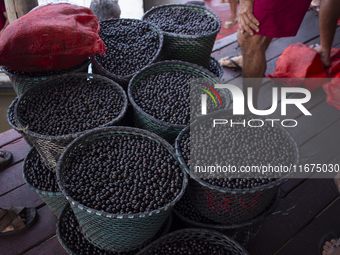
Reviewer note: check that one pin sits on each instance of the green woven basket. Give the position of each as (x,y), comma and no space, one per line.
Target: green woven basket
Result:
(124,80)
(143,120)
(108,231)
(191,48)
(163,231)
(21,83)
(51,147)
(55,200)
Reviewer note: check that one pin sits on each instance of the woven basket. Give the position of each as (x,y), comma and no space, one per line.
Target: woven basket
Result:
(226,205)
(55,200)
(162,231)
(51,147)
(242,232)
(190,48)
(124,80)
(218,69)
(11,121)
(199,234)
(143,120)
(21,83)
(108,231)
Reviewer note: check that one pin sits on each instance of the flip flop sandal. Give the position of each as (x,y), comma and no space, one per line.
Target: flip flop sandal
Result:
(236,66)
(12,217)
(229,24)
(327,238)
(5,159)
(315,8)
(196,3)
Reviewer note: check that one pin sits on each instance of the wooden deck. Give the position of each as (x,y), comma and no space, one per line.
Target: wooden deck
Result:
(309,207)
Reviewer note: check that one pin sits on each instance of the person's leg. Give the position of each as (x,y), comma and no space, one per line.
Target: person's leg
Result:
(254,61)
(233,15)
(329,15)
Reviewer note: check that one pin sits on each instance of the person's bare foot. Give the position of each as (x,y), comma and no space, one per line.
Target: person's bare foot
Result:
(228,63)
(325,55)
(230,22)
(332,247)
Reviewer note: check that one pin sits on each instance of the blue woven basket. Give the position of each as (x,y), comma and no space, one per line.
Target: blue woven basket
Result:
(108,231)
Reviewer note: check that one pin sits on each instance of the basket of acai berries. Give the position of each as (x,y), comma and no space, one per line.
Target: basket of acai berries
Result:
(189,31)
(194,241)
(72,240)
(218,159)
(160,95)
(121,183)
(131,45)
(43,181)
(54,113)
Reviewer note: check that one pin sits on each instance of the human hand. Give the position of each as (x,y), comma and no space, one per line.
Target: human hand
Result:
(247,21)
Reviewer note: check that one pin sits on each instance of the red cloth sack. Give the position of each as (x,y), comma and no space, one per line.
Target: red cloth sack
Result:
(299,61)
(334,68)
(332,90)
(54,36)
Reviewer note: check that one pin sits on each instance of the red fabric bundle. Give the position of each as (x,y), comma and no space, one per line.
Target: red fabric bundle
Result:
(332,90)
(299,61)
(55,36)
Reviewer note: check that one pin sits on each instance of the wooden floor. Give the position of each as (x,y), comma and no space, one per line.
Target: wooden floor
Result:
(309,207)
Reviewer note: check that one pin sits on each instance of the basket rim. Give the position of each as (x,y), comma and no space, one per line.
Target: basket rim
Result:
(269,185)
(220,68)
(165,63)
(82,65)
(230,240)
(11,108)
(119,130)
(39,191)
(222,226)
(129,76)
(156,8)
(72,135)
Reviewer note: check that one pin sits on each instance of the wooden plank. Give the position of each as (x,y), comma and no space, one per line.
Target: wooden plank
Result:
(8,136)
(323,116)
(43,229)
(11,178)
(290,185)
(225,41)
(22,196)
(322,147)
(296,211)
(50,247)
(19,148)
(306,241)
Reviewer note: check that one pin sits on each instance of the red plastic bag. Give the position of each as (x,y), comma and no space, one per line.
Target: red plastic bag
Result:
(334,69)
(299,61)
(332,90)
(55,36)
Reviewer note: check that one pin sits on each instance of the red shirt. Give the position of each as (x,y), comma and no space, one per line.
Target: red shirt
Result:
(2,17)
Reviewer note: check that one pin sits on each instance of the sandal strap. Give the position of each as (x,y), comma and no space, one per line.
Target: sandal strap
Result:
(12,218)
(5,220)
